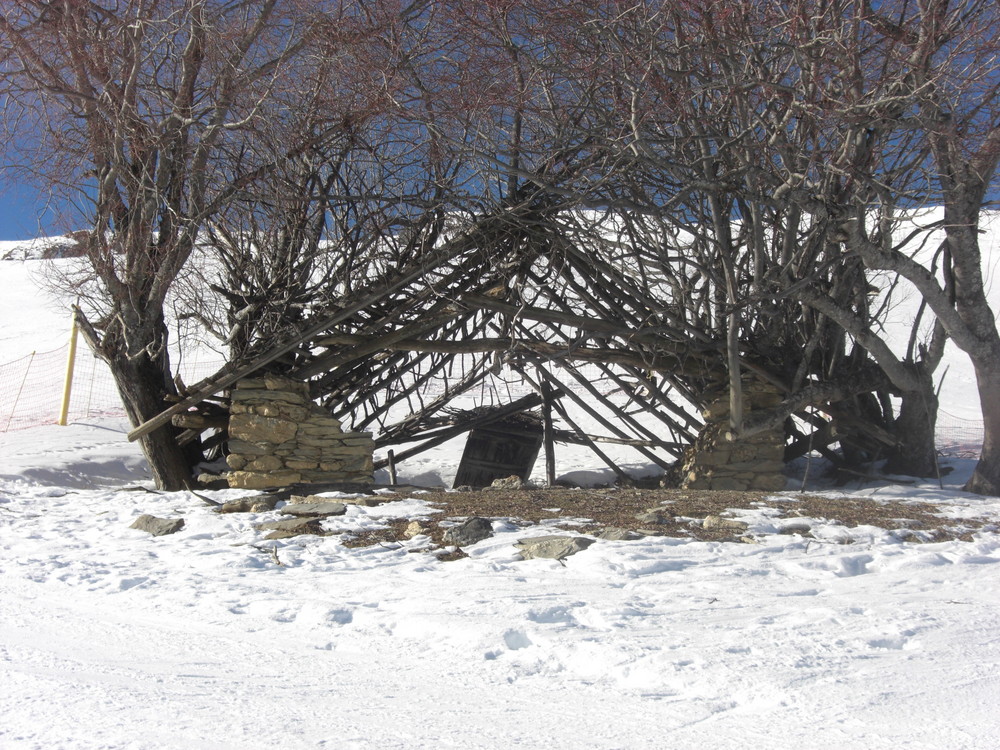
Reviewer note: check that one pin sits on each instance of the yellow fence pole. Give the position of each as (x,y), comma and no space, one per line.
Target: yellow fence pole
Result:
(68,385)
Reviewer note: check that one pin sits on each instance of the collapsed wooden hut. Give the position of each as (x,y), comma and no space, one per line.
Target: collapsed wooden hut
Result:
(534,313)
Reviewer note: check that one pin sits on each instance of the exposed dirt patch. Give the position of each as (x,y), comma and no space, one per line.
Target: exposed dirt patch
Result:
(589,511)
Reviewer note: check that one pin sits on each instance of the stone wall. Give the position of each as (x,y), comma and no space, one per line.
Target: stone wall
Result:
(719,461)
(278,437)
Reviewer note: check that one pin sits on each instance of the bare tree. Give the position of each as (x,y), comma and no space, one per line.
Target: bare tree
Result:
(785,142)
(138,108)
(944,58)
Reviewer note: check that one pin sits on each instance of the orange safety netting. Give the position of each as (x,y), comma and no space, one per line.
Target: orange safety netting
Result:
(31,388)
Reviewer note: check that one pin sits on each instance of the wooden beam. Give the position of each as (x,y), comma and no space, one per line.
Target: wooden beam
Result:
(624,478)
(371,344)
(582,403)
(195,421)
(681,350)
(566,436)
(221,382)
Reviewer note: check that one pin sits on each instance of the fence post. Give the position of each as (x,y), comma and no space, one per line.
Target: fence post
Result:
(68,385)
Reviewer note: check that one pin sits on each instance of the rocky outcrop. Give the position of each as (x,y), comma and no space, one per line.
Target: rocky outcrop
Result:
(278,437)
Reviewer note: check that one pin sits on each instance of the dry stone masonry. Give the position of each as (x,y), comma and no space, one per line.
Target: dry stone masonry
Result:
(717,461)
(278,437)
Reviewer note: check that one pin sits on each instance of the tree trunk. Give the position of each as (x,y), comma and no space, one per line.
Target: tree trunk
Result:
(916,454)
(143,384)
(985,480)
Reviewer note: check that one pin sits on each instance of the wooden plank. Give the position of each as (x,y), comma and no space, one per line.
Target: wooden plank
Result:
(433,319)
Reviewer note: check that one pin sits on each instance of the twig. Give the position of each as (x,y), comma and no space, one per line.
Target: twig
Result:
(273,551)
(204,499)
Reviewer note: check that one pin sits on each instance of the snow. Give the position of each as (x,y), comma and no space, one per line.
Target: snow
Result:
(30,319)
(111,638)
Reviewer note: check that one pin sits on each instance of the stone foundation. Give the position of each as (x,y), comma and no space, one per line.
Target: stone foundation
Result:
(718,461)
(278,437)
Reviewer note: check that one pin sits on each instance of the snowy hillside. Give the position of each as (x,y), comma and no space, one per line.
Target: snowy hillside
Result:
(42,248)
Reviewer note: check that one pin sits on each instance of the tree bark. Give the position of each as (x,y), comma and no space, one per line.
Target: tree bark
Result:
(985,480)
(916,453)
(143,384)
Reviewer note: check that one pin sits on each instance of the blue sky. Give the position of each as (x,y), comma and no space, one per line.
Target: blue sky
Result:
(22,209)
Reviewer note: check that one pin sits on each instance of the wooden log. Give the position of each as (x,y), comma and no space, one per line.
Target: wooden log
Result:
(434,319)
(617,282)
(624,357)
(565,436)
(187,436)
(212,441)
(586,265)
(378,374)
(821,437)
(582,403)
(638,427)
(401,431)
(690,423)
(538,314)
(391,458)
(437,368)
(195,421)
(637,368)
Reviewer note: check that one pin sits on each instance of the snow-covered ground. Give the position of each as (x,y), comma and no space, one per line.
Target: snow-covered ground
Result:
(111,638)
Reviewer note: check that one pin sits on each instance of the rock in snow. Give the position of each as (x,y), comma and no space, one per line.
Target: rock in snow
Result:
(157,526)
(250,503)
(469,532)
(291,527)
(718,523)
(315,510)
(552,547)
